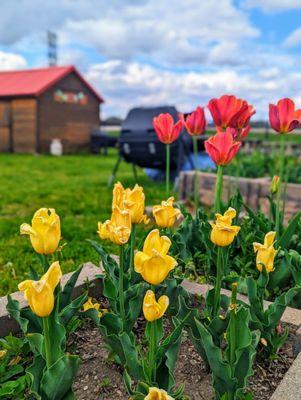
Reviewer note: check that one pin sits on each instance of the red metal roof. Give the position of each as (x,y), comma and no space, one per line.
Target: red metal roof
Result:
(33,82)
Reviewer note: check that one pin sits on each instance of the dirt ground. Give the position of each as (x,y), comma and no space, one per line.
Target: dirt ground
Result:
(101,379)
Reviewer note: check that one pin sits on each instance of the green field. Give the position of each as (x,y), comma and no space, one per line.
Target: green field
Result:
(76,186)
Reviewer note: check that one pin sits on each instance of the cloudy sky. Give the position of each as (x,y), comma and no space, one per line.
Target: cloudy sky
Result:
(154,52)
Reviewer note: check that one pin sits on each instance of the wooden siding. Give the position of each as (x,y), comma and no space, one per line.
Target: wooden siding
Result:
(70,122)
(5,118)
(23,122)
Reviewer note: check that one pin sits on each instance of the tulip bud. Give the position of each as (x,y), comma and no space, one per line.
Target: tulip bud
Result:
(132,200)
(165,128)
(118,228)
(275,184)
(157,394)
(44,232)
(284,118)
(195,123)
(266,252)
(40,294)
(165,214)
(153,263)
(152,309)
(222,147)
(223,232)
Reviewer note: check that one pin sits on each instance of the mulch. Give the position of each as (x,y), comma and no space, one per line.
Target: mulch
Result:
(101,379)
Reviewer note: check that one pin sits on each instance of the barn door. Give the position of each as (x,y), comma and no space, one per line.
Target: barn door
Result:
(5,126)
(24,125)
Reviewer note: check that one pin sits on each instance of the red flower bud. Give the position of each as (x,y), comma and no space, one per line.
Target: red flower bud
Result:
(195,123)
(222,147)
(165,128)
(283,117)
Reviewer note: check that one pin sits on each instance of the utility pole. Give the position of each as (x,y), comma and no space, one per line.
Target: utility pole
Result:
(52,48)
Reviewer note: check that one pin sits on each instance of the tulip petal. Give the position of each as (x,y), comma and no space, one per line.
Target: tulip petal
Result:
(163,303)
(53,275)
(274,117)
(139,259)
(286,109)
(269,239)
(156,269)
(26,229)
(25,285)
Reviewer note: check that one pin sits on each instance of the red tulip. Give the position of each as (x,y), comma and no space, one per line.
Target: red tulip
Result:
(195,122)
(244,132)
(222,147)
(166,130)
(283,117)
(244,116)
(229,111)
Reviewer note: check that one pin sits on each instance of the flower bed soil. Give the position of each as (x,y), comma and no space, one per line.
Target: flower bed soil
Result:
(101,379)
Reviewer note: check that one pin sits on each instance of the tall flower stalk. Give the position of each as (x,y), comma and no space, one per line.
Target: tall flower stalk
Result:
(284,118)
(222,235)
(280,190)
(195,125)
(167,174)
(167,131)
(222,148)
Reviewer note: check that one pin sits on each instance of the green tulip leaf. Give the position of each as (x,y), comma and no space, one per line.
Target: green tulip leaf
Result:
(57,380)
(66,294)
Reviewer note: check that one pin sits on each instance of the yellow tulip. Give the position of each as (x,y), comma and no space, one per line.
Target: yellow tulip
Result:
(153,263)
(152,309)
(275,184)
(44,231)
(132,200)
(223,232)
(135,203)
(118,196)
(157,394)
(96,306)
(118,228)
(2,353)
(40,294)
(266,252)
(165,214)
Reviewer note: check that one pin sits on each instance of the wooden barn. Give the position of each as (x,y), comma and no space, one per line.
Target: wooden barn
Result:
(39,105)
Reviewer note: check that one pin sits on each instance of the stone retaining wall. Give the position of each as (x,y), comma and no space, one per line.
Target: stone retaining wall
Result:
(254,191)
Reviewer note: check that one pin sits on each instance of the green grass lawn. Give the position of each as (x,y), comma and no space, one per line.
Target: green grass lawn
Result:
(76,186)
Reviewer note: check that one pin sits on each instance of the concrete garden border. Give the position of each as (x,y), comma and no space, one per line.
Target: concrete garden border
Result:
(290,386)
(254,191)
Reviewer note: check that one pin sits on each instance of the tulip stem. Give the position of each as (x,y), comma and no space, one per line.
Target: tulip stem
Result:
(218,283)
(44,262)
(218,189)
(133,242)
(279,192)
(121,294)
(152,351)
(232,327)
(47,341)
(167,168)
(196,180)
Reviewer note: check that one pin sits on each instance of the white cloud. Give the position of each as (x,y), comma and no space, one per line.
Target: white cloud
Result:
(294,39)
(273,5)
(11,61)
(181,34)
(125,85)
